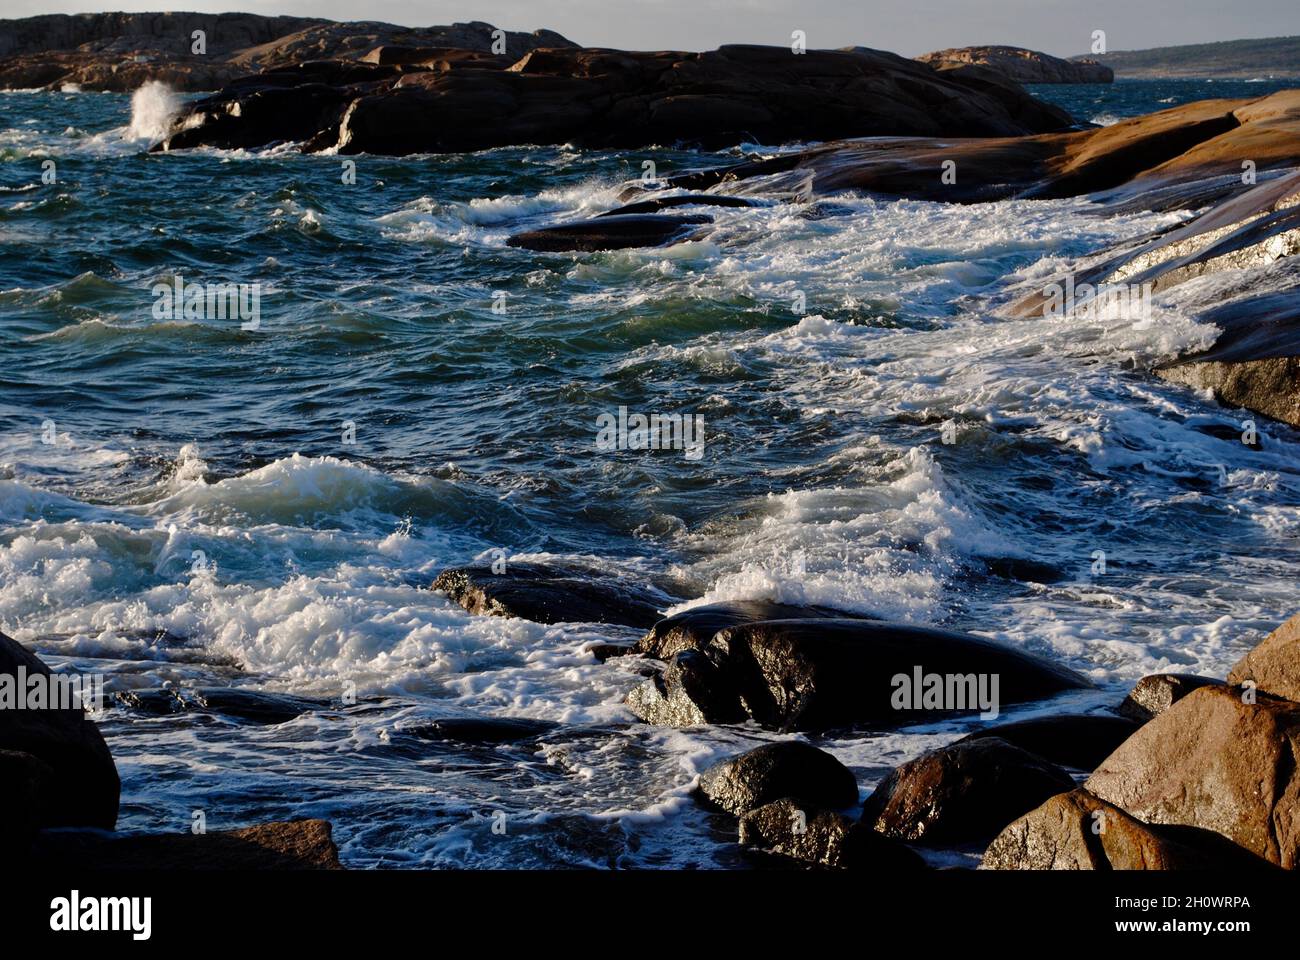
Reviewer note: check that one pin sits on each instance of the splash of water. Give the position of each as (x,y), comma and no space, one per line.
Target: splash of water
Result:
(152,108)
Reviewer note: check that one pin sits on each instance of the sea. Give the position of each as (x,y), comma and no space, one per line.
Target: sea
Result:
(262,500)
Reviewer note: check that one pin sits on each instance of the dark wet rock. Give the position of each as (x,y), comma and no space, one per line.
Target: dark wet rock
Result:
(1023,569)
(611,232)
(692,629)
(482,730)
(255,706)
(26,782)
(83,787)
(551,594)
(824,838)
(1021,65)
(1079,741)
(811,674)
(608,651)
(689,692)
(810,777)
(656,204)
(617,98)
(1078,831)
(1154,694)
(287,845)
(1274,664)
(964,792)
(1215,762)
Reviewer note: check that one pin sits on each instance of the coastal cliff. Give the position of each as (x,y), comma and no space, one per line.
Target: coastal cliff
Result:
(1023,66)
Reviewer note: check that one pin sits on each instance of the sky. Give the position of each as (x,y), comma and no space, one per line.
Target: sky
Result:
(908,27)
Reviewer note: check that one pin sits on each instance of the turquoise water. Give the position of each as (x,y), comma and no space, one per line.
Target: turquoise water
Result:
(133,447)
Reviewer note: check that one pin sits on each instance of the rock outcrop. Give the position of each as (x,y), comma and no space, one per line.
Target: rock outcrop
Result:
(821,673)
(1218,762)
(1023,66)
(825,838)
(551,594)
(618,98)
(70,769)
(962,793)
(811,778)
(1078,831)
(122,51)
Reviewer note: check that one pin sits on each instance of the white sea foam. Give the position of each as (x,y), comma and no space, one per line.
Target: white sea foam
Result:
(152,109)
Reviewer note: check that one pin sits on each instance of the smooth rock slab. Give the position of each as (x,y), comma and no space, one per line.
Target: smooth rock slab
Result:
(808,776)
(962,793)
(1078,831)
(692,629)
(285,845)
(824,838)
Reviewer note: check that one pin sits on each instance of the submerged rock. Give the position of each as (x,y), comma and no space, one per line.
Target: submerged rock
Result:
(81,785)
(1081,741)
(1215,762)
(611,232)
(287,845)
(1078,831)
(655,204)
(255,706)
(1274,665)
(964,792)
(551,594)
(481,730)
(824,838)
(1154,694)
(810,777)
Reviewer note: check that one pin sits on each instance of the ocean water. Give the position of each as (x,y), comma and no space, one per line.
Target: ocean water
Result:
(184,503)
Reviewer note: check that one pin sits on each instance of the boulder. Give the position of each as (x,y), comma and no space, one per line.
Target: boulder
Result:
(1021,65)
(611,232)
(1274,664)
(1215,762)
(1079,741)
(287,845)
(1078,831)
(26,781)
(815,673)
(82,787)
(551,594)
(690,692)
(962,793)
(1154,694)
(810,777)
(824,838)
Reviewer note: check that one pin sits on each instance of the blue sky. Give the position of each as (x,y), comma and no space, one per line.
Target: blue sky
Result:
(909,27)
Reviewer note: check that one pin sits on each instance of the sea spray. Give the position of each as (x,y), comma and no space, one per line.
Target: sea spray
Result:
(152,109)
